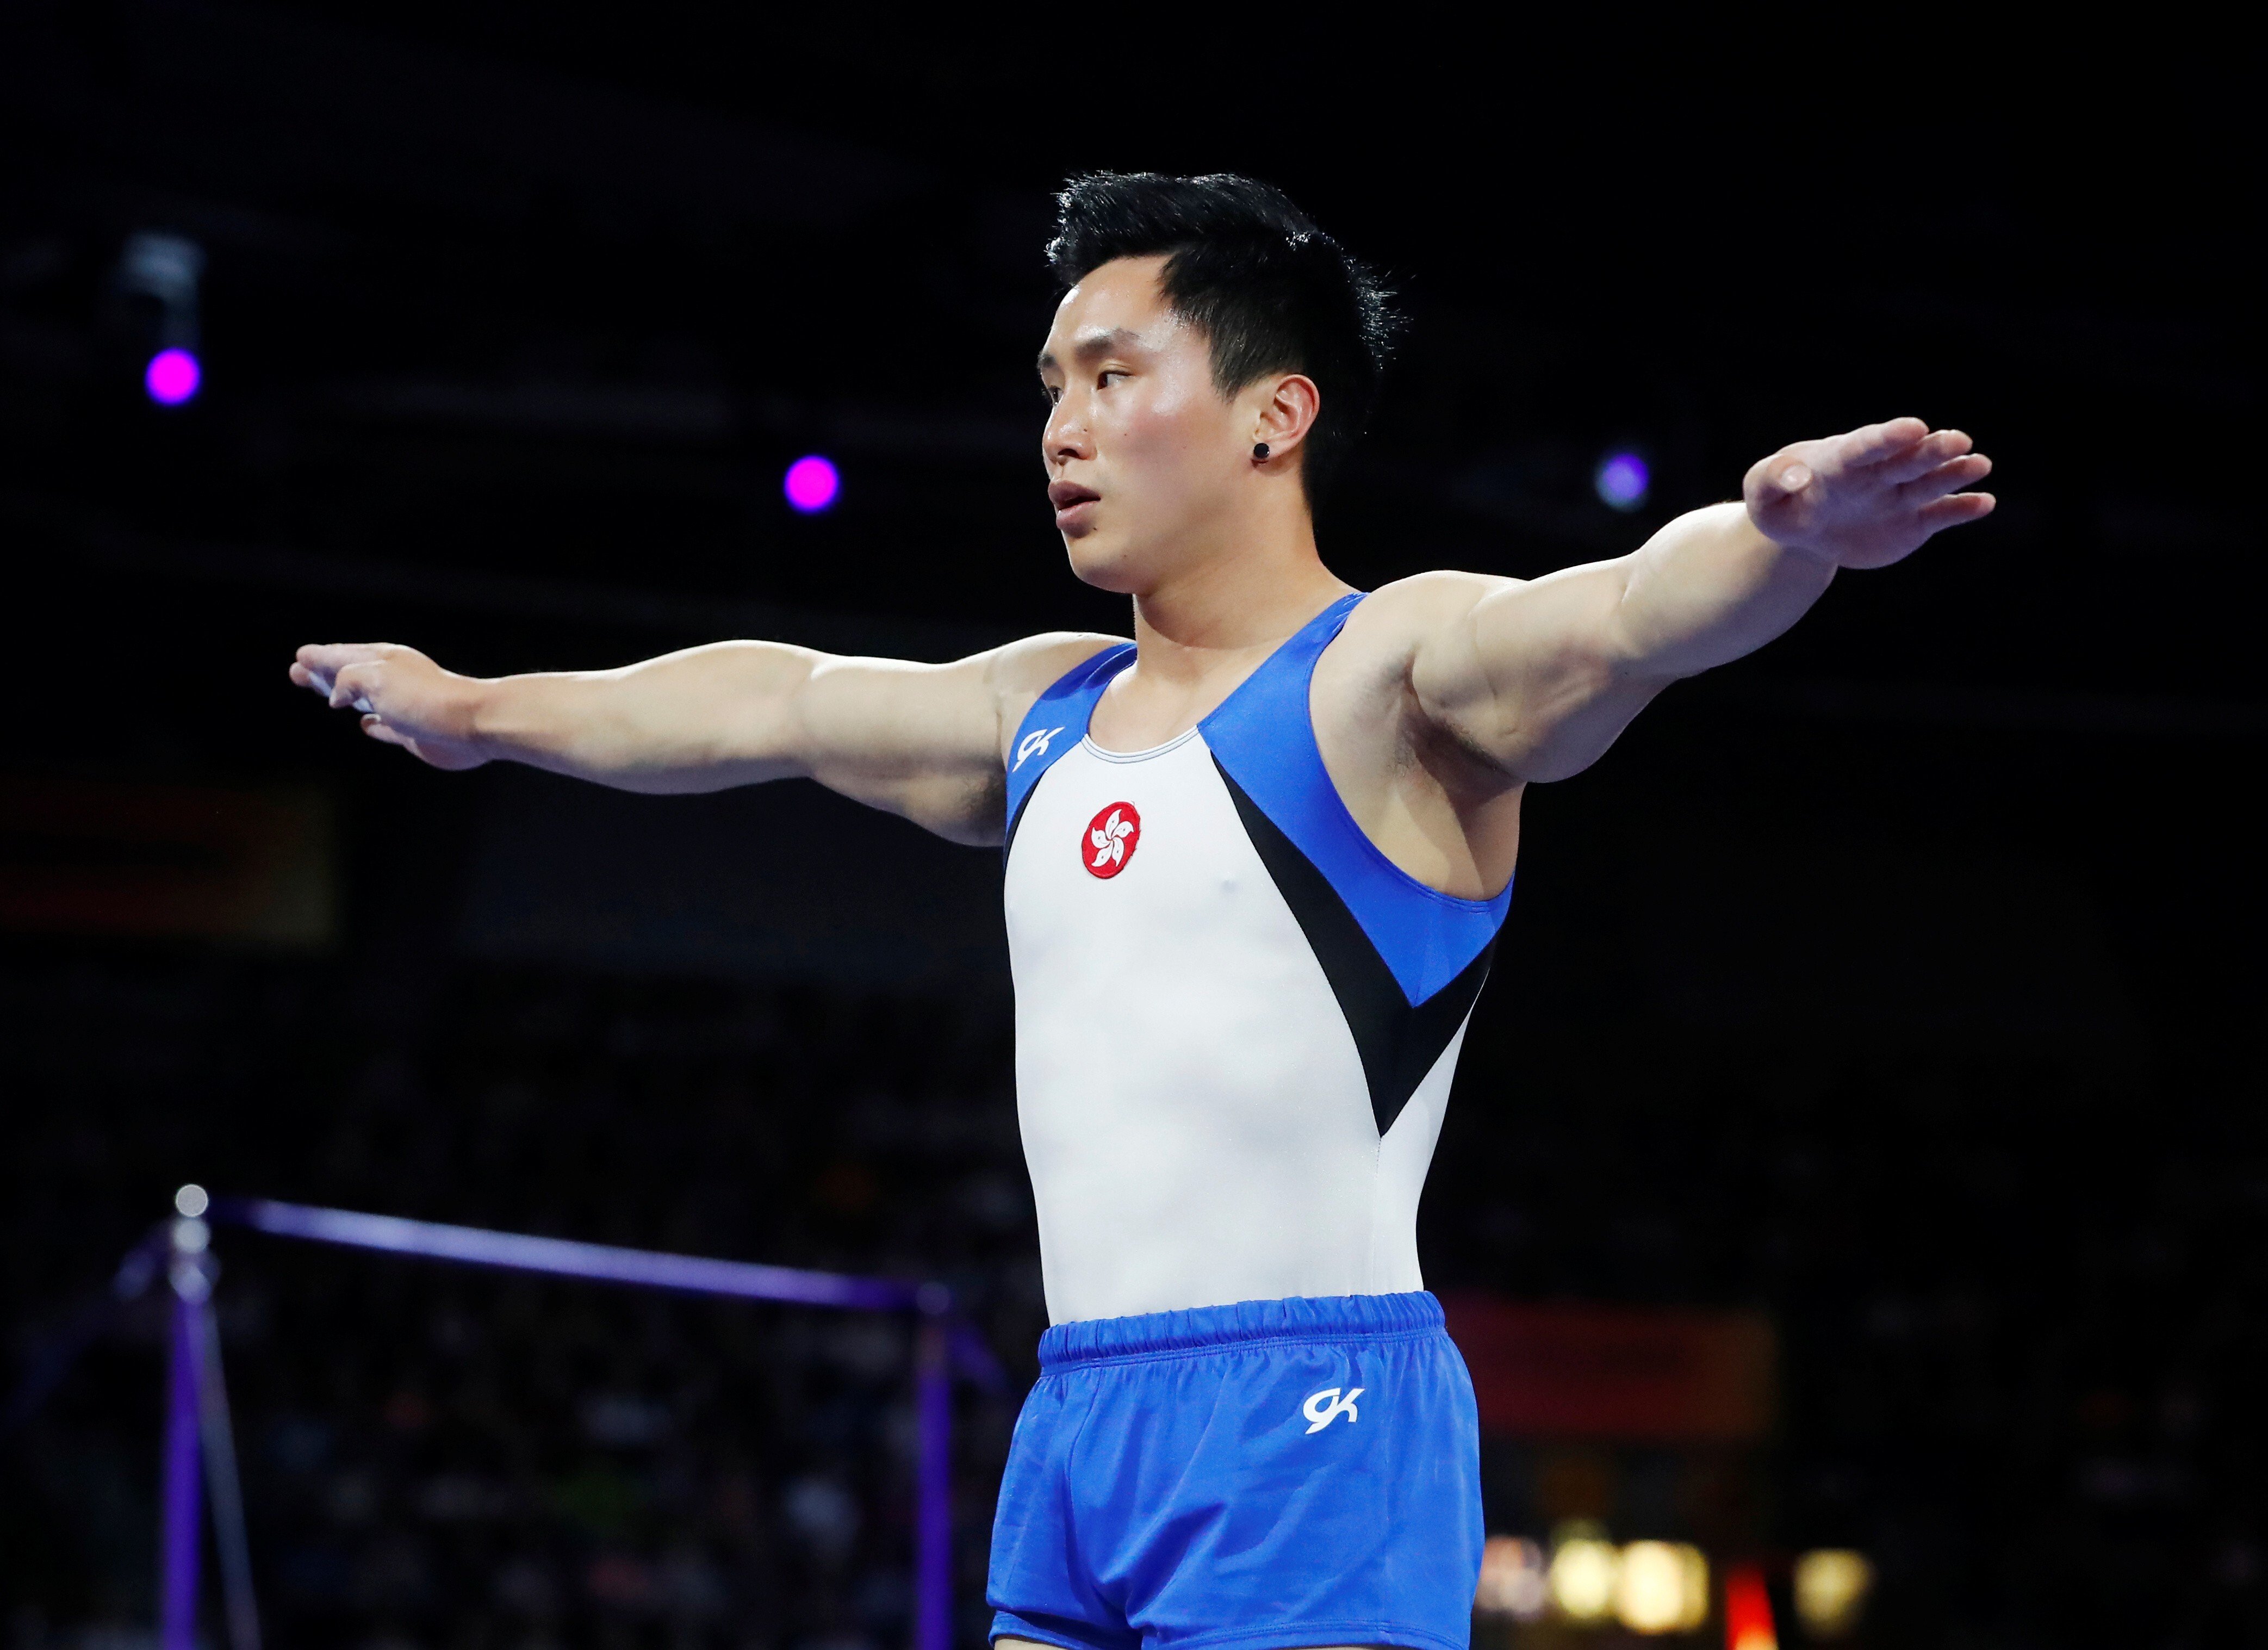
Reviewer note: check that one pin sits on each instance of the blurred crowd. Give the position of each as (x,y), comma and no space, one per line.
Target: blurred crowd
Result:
(2021,1329)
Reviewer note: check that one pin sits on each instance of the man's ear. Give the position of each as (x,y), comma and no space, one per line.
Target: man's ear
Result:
(1286,414)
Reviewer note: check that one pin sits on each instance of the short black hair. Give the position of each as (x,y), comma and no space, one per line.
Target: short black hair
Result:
(1271,292)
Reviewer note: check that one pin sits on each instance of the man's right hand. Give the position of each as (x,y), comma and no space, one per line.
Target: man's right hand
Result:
(405,698)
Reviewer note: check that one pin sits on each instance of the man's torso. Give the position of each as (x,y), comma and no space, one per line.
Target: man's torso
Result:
(1237,1021)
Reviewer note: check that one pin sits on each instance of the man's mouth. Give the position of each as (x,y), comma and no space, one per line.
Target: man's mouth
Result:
(1071,501)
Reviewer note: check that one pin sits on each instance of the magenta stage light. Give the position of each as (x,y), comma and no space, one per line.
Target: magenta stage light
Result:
(1621,481)
(812,484)
(171,376)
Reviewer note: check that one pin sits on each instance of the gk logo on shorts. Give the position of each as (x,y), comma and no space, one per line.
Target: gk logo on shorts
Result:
(1323,1408)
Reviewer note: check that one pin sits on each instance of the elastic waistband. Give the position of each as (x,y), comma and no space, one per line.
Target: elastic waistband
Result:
(1195,1329)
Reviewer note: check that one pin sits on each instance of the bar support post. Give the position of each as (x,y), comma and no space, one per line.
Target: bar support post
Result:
(178,1539)
(933,1473)
(222,1485)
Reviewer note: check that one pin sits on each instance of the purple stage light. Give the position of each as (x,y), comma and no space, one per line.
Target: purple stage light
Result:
(1621,481)
(812,484)
(171,376)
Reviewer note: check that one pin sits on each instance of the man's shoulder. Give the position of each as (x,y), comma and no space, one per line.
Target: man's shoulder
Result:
(1036,663)
(1020,672)
(1398,616)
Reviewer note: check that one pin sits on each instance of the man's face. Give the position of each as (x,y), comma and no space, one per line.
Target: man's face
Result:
(1141,450)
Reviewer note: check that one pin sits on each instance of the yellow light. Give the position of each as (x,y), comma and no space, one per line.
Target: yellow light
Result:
(1831,1591)
(1511,1580)
(1582,1578)
(1661,1587)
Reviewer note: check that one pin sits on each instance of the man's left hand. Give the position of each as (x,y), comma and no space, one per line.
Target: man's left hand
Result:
(1869,498)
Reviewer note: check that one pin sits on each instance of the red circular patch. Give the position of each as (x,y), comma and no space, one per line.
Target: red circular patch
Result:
(1108,847)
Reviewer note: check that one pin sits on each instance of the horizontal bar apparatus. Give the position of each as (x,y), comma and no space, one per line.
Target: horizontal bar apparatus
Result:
(938,1345)
(564,1258)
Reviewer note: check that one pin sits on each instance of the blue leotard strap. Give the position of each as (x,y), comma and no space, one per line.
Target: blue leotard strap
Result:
(1057,722)
(1265,740)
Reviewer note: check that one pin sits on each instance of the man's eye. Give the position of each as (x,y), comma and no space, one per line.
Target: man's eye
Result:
(1051,393)
(1107,377)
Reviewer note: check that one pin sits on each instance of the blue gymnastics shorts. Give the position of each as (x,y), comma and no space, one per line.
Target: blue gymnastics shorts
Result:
(1272,1473)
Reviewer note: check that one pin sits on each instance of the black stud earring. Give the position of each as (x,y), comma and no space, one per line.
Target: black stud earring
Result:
(1260,452)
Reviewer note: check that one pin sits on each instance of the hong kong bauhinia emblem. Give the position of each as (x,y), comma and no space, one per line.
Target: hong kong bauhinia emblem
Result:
(1111,837)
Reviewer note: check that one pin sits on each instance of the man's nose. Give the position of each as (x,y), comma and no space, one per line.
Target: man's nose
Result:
(1064,436)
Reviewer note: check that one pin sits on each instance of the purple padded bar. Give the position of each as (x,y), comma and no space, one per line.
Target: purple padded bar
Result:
(565,1258)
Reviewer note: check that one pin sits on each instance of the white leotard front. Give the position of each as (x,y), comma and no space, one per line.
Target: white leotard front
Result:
(1236,1021)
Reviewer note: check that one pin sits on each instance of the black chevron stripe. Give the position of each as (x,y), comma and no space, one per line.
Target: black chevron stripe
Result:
(1399,1044)
(1008,841)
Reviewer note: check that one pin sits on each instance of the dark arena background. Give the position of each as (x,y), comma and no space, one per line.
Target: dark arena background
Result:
(1854,1206)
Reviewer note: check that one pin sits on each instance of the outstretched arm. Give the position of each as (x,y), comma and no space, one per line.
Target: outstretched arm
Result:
(925,742)
(1538,678)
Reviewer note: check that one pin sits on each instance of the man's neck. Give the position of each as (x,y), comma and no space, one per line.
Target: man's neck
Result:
(1212,615)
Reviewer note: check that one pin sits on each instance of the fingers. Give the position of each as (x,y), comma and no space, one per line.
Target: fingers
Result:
(353,687)
(1874,443)
(1924,455)
(309,670)
(317,665)
(376,728)
(1942,513)
(330,657)
(1948,477)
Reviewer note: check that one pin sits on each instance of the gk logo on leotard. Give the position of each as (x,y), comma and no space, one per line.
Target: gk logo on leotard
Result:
(1323,1408)
(1111,839)
(1032,744)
